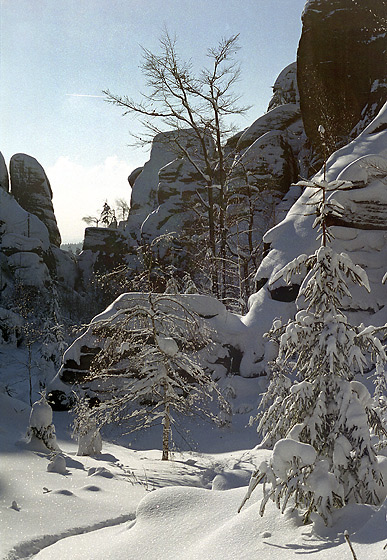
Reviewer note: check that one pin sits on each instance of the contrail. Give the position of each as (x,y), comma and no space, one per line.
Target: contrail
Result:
(82,95)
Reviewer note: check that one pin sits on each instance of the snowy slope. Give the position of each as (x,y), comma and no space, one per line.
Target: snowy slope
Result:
(190,524)
(363,161)
(128,504)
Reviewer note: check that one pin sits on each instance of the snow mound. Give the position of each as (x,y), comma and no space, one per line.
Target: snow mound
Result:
(231,479)
(192,523)
(57,465)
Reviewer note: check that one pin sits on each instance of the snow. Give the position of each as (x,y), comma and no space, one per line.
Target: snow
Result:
(276,119)
(15,220)
(167,345)
(225,327)
(285,450)
(144,196)
(285,87)
(41,415)
(364,160)
(127,504)
(57,465)
(90,440)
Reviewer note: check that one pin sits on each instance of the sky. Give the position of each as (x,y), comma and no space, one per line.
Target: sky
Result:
(56,58)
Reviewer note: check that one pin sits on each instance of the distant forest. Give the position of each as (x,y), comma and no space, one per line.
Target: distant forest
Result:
(75,248)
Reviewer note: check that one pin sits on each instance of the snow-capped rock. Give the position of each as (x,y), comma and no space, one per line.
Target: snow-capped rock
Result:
(224,328)
(29,268)
(279,118)
(285,89)
(362,233)
(17,221)
(144,198)
(31,188)
(104,249)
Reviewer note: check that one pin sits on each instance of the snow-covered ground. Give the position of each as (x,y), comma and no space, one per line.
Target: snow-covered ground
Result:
(128,504)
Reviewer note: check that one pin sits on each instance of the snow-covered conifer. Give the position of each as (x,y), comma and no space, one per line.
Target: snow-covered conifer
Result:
(41,427)
(149,370)
(85,426)
(53,342)
(323,456)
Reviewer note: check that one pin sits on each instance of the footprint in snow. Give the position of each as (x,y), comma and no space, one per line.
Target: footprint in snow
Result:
(64,492)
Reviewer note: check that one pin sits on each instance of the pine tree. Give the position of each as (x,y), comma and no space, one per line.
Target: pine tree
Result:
(323,456)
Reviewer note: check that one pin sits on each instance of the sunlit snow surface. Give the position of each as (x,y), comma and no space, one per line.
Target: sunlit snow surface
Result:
(125,504)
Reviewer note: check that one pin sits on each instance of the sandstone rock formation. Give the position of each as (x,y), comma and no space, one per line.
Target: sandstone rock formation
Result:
(32,265)
(361,232)
(167,192)
(4,181)
(104,249)
(341,62)
(31,188)
(271,149)
(145,181)
(285,89)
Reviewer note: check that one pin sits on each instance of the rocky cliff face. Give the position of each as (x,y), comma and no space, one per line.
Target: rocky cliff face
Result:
(4,180)
(32,190)
(31,263)
(270,149)
(361,232)
(341,63)
(167,191)
(145,182)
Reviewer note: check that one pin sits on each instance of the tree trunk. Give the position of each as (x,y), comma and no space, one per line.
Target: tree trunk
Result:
(166,430)
(29,368)
(211,226)
(166,426)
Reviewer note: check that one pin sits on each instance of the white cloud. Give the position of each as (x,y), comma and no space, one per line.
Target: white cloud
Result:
(81,191)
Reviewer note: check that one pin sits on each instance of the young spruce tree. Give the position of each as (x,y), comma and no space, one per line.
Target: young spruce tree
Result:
(149,370)
(323,457)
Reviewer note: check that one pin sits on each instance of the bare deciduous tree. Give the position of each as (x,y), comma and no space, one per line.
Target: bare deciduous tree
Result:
(197,104)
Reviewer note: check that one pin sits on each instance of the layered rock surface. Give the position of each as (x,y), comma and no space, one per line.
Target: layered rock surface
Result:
(31,261)
(4,180)
(341,64)
(31,188)
(361,233)
(145,181)
(270,149)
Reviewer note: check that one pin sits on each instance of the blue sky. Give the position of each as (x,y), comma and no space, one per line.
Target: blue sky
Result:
(56,54)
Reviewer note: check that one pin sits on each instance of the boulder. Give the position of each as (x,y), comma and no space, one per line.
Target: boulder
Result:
(285,89)
(29,269)
(104,249)
(133,176)
(31,188)
(278,118)
(270,162)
